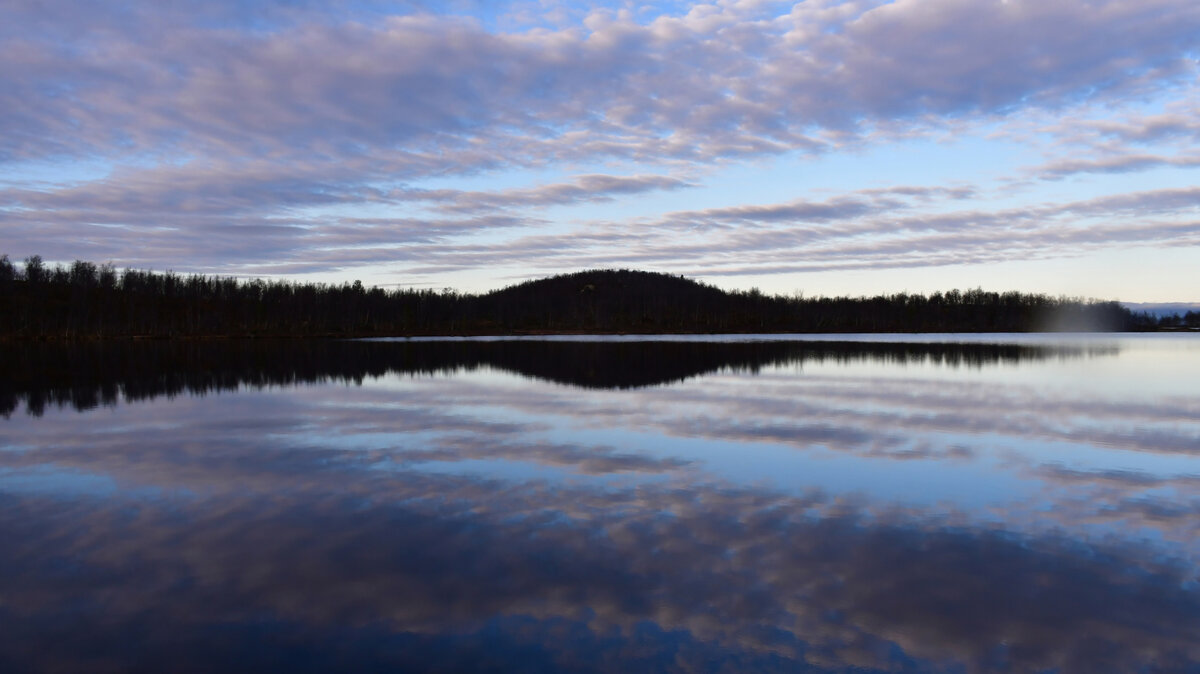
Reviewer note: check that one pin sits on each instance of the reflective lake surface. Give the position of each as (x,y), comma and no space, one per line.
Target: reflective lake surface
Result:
(912,503)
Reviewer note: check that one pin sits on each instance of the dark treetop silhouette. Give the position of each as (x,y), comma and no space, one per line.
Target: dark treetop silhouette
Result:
(86,300)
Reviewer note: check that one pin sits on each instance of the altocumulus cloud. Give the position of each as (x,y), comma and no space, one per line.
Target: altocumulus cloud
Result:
(303,137)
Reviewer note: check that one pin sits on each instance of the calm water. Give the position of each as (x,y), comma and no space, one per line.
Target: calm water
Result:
(1002,503)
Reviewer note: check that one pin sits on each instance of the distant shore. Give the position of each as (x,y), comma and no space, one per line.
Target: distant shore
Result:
(89,301)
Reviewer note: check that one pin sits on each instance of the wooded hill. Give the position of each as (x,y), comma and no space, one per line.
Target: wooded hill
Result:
(85,300)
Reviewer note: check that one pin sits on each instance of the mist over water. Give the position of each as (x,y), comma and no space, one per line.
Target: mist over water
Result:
(989,503)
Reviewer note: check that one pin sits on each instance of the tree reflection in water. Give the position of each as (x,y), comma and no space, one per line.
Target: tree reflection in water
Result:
(318,527)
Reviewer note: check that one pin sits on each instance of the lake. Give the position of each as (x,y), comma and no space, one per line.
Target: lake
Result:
(941,503)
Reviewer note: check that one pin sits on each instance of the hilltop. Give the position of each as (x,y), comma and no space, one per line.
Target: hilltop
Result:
(605,299)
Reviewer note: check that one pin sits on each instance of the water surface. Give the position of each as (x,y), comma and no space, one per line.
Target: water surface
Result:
(905,503)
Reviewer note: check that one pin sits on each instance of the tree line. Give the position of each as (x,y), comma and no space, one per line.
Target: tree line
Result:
(86,300)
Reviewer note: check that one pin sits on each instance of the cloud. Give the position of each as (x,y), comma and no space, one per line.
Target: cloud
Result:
(240,214)
(584,189)
(700,85)
(1177,124)
(858,230)
(1115,164)
(263,139)
(1112,142)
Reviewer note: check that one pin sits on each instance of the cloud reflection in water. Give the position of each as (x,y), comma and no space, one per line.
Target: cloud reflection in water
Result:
(327,527)
(464,572)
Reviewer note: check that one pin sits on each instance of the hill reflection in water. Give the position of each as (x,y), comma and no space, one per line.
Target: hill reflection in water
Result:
(781,507)
(89,374)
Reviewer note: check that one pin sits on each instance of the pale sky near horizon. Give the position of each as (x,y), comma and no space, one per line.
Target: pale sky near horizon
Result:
(827,147)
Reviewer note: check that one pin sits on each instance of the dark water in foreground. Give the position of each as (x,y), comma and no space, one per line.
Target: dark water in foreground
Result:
(1009,504)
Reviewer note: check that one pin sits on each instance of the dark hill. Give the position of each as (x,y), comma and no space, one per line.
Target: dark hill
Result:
(607,301)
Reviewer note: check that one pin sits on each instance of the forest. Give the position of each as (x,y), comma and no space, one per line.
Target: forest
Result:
(84,300)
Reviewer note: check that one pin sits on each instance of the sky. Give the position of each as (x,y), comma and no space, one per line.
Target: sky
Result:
(821,147)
